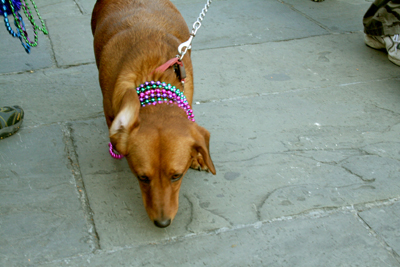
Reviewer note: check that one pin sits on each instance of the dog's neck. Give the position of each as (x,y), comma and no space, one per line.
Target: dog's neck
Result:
(153,93)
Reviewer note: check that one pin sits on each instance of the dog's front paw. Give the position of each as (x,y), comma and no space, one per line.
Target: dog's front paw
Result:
(198,163)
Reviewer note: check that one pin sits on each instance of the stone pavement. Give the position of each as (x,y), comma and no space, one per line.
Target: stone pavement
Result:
(304,122)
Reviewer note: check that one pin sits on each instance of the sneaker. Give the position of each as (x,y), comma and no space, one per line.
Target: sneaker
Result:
(392,47)
(375,42)
(10,120)
(390,43)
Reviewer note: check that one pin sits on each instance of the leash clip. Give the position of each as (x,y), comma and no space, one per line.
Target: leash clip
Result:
(184,47)
(188,44)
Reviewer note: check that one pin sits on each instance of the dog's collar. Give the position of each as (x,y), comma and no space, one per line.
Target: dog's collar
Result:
(153,93)
(178,66)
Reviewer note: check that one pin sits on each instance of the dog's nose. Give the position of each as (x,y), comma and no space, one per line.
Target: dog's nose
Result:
(162,223)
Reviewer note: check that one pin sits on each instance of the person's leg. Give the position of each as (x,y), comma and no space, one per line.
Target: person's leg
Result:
(382,18)
(382,27)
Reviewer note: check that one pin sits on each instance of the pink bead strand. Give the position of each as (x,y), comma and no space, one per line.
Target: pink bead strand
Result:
(113,154)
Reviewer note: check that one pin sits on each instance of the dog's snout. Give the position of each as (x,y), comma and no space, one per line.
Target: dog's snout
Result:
(162,223)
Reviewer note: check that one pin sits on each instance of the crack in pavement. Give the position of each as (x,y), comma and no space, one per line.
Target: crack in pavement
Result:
(191,213)
(357,175)
(264,200)
(378,237)
(198,212)
(213,212)
(73,165)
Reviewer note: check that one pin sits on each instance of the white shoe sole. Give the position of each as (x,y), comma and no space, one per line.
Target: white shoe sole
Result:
(373,43)
(394,60)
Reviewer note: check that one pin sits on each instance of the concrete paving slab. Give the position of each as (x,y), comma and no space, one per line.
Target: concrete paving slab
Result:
(63,8)
(337,15)
(235,22)
(342,238)
(363,168)
(54,95)
(41,218)
(385,221)
(11,49)
(290,66)
(86,6)
(298,161)
(72,44)
(386,149)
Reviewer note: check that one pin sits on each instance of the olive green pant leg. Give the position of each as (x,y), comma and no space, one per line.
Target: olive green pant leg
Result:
(383,18)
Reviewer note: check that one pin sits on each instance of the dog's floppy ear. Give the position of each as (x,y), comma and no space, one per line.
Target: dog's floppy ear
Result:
(202,141)
(125,121)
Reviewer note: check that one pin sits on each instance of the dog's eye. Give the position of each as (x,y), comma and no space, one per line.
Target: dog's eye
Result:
(176,177)
(144,179)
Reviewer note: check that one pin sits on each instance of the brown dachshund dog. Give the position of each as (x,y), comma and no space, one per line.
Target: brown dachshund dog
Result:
(132,38)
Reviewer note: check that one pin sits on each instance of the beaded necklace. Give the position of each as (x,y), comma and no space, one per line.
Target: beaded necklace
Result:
(15,34)
(153,93)
(21,33)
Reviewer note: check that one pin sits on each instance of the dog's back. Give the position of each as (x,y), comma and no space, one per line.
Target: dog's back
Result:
(131,39)
(142,22)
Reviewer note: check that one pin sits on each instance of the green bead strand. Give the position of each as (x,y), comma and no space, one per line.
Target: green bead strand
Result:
(30,17)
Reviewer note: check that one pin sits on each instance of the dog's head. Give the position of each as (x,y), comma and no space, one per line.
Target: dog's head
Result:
(160,144)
